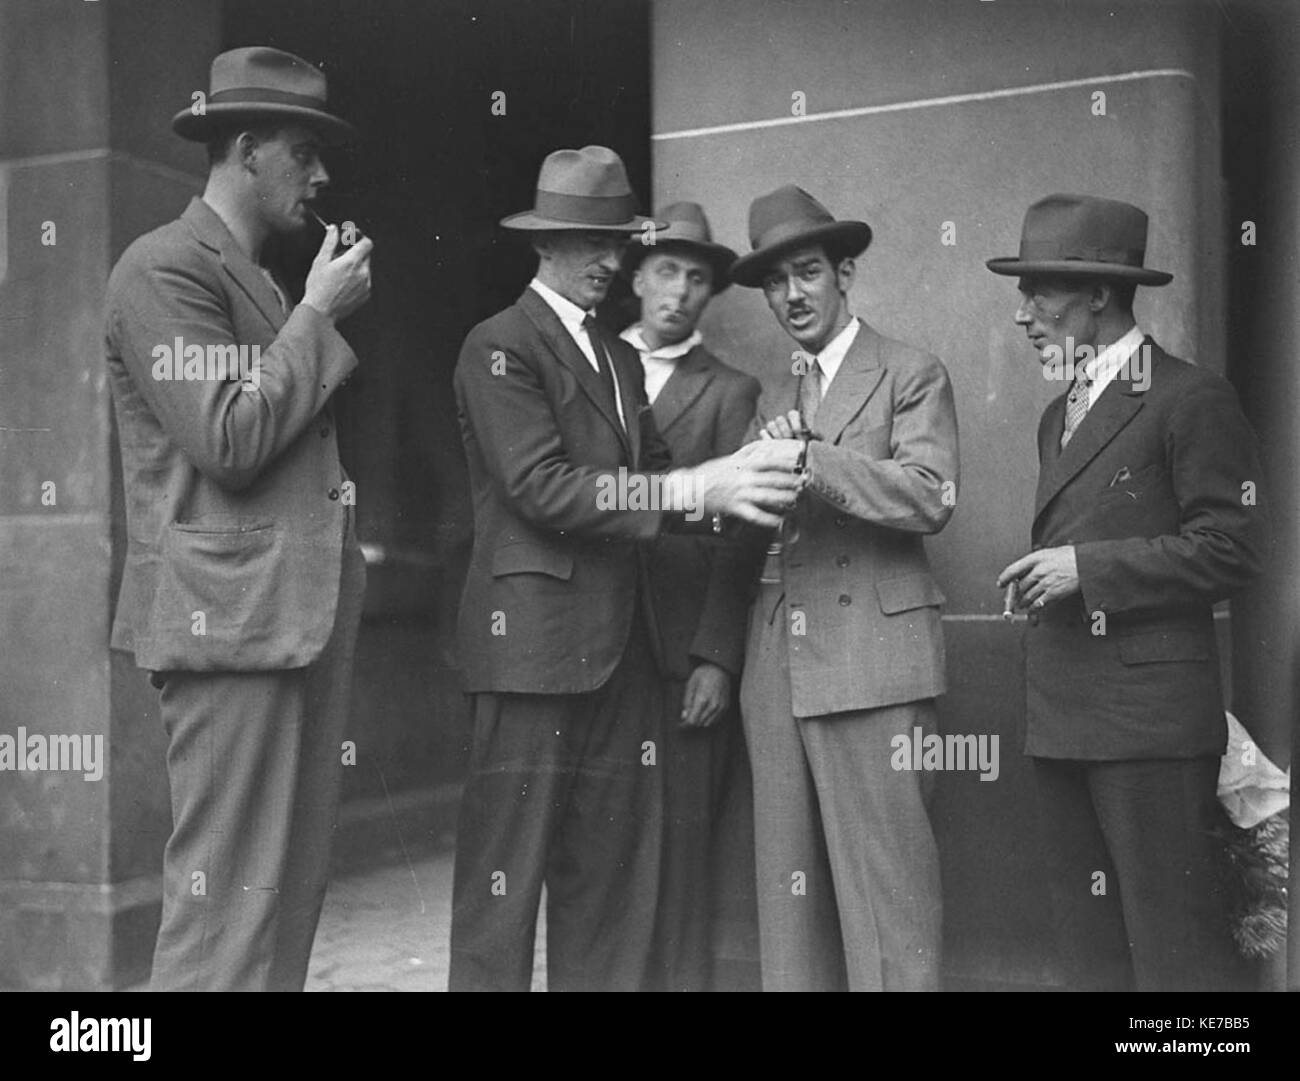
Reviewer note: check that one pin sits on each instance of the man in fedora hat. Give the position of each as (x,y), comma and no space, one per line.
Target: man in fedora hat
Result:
(845,652)
(243,580)
(1146,515)
(703,408)
(567,474)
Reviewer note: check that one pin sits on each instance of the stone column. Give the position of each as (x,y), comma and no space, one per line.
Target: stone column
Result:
(87,163)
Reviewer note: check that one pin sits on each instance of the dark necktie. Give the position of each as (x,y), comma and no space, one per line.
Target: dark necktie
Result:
(602,362)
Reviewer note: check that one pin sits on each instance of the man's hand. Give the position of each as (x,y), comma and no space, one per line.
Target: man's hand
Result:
(707,693)
(338,287)
(789,426)
(757,483)
(1042,577)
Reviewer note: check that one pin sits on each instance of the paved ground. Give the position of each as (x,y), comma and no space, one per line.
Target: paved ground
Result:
(386,929)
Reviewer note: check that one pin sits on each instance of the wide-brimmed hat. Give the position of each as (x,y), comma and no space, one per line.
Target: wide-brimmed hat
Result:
(688,229)
(258,83)
(1083,236)
(790,218)
(583,189)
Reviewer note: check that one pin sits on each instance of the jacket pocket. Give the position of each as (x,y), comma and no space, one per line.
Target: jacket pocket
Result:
(228,575)
(911,591)
(528,559)
(1167,645)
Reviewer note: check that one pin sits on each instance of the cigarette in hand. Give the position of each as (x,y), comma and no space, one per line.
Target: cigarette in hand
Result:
(1009,602)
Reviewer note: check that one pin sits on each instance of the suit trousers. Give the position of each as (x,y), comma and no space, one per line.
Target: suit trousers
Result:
(1136,874)
(847,865)
(702,832)
(255,767)
(564,790)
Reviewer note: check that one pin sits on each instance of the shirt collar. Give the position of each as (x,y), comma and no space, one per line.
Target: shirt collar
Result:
(1108,362)
(570,314)
(633,336)
(830,358)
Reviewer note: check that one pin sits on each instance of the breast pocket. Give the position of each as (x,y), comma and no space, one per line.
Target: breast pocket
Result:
(1138,486)
(875,441)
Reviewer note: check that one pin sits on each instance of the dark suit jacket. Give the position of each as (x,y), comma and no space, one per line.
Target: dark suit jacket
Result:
(700,598)
(555,571)
(232,493)
(1149,490)
(883,473)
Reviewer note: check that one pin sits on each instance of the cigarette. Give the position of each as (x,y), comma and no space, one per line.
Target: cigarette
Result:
(1009,602)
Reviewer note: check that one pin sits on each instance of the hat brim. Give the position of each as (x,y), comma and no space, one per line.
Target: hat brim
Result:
(719,256)
(1078,268)
(200,128)
(530,221)
(851,237)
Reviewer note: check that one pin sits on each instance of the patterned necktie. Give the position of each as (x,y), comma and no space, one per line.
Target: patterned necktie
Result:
(602,362)
(1076,404)
(810,393)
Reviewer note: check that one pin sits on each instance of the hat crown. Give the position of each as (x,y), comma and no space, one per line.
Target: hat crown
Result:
(578,189)
(260,68)
(784,213)
(1086,228)
(594,171)
(686,221)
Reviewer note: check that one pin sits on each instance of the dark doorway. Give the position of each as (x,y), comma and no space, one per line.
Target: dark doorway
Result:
(434,171)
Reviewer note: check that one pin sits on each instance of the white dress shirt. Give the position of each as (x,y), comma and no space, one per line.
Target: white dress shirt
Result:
(572,316)
(1107,364)
(830,358)
(659,364)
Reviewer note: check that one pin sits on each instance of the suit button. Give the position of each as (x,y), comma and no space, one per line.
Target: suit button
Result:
(1033,619)
(845,600)
(324,431)
(841,561)
(841,520)
(334,493)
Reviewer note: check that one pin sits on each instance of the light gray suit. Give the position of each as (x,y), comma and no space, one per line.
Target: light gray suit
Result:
(241,594)
(844,653)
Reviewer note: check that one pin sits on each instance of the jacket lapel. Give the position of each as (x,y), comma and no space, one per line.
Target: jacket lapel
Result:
(1119,403)
(859,375)
(690,376)
(213,234)
(566,350)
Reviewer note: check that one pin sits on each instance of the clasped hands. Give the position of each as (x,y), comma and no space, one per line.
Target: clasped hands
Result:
(759,483)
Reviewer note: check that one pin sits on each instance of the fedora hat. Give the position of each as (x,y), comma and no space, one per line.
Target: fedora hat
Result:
(583,189)
(688,230)
(1083,236)
(257,83)
(791,218)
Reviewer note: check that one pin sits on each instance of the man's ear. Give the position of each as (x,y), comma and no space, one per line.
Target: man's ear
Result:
(1101,293)
(246,146)
(845,272)
(638,280)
